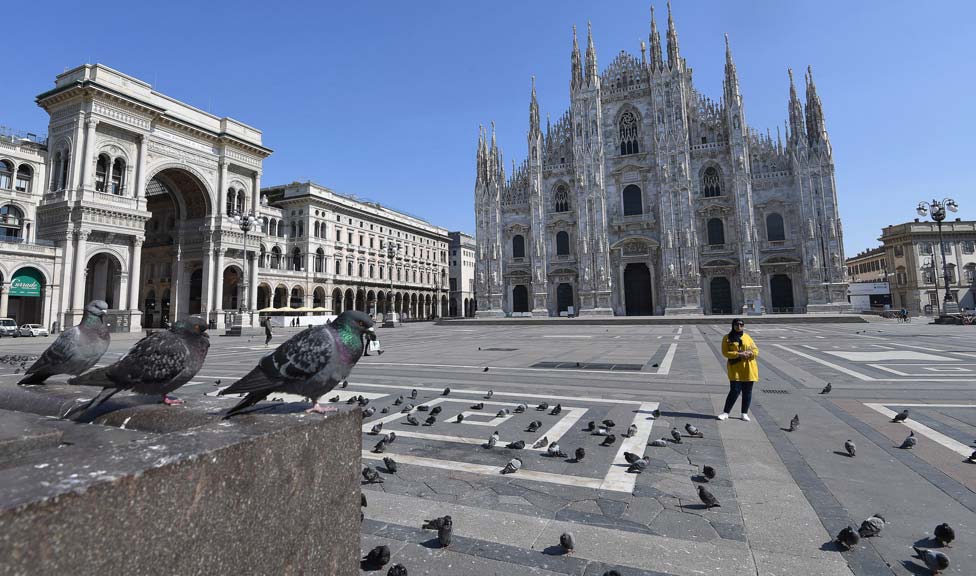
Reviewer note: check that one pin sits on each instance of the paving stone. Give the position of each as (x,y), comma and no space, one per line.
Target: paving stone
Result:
(642,510)
(612,508)
(676,524)
(515,500)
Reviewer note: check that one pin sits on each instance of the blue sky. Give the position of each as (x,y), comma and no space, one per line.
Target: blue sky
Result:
(383,99)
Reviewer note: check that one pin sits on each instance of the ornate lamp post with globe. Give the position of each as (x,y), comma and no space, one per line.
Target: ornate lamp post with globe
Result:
(392,251)
(246,221)
(937,210)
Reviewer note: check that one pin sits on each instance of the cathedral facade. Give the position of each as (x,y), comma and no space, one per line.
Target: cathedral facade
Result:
(648,198)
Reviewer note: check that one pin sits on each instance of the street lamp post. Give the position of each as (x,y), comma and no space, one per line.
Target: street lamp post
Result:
(392,250)
(246,221)
(938,212)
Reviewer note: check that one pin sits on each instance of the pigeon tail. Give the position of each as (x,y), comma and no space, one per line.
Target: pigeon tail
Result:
(97,377)
(95,402)
(248,401)
(37,377)
(253,381)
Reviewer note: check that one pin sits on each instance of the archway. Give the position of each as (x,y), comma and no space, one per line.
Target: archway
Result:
(781,293)
(26,292)
(637,290)
(337,301)
(361,300)
(281,296)
(413,305)
(453,310)
(297,298)
(348,300)
(164,308)
(398,306)
(318,297)
(381,302)
(232,280)
(520,298)
(564,297)
(444,306)
(149,305)
(720,291)
(371,303)
(103,280)
(196,292)
(264,296)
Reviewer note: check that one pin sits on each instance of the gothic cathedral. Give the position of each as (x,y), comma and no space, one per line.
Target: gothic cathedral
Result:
(648,198)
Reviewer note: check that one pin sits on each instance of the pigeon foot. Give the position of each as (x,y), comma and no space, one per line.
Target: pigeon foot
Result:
(320,409)
(172,400)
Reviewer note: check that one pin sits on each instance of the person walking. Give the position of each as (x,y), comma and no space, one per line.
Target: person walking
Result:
(740,351)
(267,332)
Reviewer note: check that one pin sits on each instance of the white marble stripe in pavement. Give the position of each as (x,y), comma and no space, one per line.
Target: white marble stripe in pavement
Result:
(918,347)
(665,367)
(511,368)
(618,479)
(886,369)
(937,437)
(837,367)
(484,392)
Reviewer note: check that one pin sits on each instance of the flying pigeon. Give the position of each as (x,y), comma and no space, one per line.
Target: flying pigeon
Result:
(872,526)
(447,390)
(380,447)
(445,533)
(934,561)
(489,394)
(659,443)
(945,534)
(534,426)
(413,394)
(391,465)
(512,467)
(430,421)
(517,445)
(520,408)
(372,476)
(309,364)
(794,423)
(827,389)
(909,442)
(397,570)
(77,349)
(543,406)
(847,538)
(460,418)
(377,557)
(493,439)
(158,364)
(851,448)
(901,416)
(609,423)
(556,409)
(580,454)
(590,426)
(631,431)
(412,420)
(541,442)
(709,473)
(436,410)
(567,543)
(436,523)
(335,399)
(675,435)
(478,406)
(638,466)
(554,451)
(377,428)
(630,457)
(693,431)
(609,440)
(706,497)
(656,413)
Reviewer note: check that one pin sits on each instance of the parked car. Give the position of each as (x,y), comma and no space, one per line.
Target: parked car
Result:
(8,327)
(33,330)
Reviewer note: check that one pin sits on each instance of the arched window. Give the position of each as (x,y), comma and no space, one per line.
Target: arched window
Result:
(6,174)
(361,269)
(65,158)
(381,272)
(629,134)
(349,268)
(263,258)
(231,201)
(372,271)
(296,259)
(716,232)
(24,176)
(273,227)
(775,231)
(562,243)
(101,173)
(633,204)
(560,199)
(969,273)
(276,257)
(118,176)
(518,246)
(711,184)
(11,222)
(315,229)
(240,202)
(294,229)
(320,261)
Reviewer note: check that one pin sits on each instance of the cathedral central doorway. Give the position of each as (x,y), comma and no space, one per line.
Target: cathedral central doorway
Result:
(721,294)
(781,293)
(564,297)
(520,299)
(637,290)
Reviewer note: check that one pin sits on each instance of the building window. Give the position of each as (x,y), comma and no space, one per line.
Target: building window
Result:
(947,247)
(711,183)
(338,235)
(24,176)
(925,248)
(276,258)
(118,177)
(633,203)
(348,237)
(453,284)
(928,275)
(296,259)
(716,232)
(361,241)
(381,272)
(901,277)
(338,267)
(361,269)
(969,273)
(968,246)
(518,246)
(6,174)
(320,261)
(101,172)
(629,134)
(899,251)
(562,243)
(775,230)
(11,222)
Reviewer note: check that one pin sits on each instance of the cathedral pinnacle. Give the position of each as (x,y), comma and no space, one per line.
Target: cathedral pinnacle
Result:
(577,76)
(816,131)
(533,111)
(673,53)
(591,67)
(731,75)
(797,129)
(657,61)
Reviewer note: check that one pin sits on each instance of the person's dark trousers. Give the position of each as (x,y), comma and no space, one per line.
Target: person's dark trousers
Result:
(735,387)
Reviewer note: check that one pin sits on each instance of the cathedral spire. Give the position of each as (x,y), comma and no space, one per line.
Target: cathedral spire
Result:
(797,130)
(657,61)
(731,75)
(577,76)
(643,54)
(533,111)
(674,55)
(591,67)
(816,130)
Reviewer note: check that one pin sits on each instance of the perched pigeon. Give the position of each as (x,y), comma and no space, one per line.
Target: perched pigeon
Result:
(436,523)
(158,364)
(693,431)
(567,543)
(541,442)
(385,410)
(534,426)
(352,400)
(794,423)
(423,408)
(478,406)
(631,431)
(446,391)
(77,349)
(972,457)
(460,418)
(638,466)
(500,414)
(556,409)
(372,476)
(520,408)
(909,442)
(872,526)
(413,394)
(436,410)
(609,440)
(334,399)
(934,561)
(517,445)
(827,389)
(344,384)
(380,447)
(851,448)
(656,413)
(397,570)
(486,369)
(377,428)
(901,416)
(493,439)
(377,557)
(406,408)
(430,421)
(412,420)
(945,534)
(363,401)
(676,436)
(543,406)
(513,466)
(590,426)
(398,401)
(847,538)
(609,423)
(580,454)
(390,464)
(659,443)
(709,473)
(391,437)
(630,457)
(445,533)
(554,451)
(707,498)
(309,364)
(489,394)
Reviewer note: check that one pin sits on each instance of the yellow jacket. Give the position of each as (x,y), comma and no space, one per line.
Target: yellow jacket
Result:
(746,369)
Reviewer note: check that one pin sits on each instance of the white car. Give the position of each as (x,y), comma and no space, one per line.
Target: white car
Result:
(33,330)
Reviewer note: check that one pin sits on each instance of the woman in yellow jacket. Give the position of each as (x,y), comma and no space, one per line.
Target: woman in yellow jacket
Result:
(740,352)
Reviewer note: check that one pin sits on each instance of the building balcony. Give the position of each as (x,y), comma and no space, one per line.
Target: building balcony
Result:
(776,245)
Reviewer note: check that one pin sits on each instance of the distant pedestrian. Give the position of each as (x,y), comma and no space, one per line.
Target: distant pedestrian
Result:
(741,352)
(267,332)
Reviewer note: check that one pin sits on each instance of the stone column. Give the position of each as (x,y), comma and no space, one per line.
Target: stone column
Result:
(256,193)
(140,189)
(88,160)
(206,298)
(81,260)
(135,283)
(219,287)
(252,283)
(176,283)
(221,193)
(4,299)
(77,157)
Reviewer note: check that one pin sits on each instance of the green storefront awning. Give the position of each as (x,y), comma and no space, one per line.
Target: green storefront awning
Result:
(26,282)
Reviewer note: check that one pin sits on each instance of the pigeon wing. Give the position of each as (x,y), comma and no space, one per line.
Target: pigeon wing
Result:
(152,363)
(59,352)
(298,359)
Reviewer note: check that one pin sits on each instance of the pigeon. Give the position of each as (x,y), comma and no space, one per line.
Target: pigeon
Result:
(362,500)
(309,364)
(590,426)
(656,413)
(436,523)
(460,418)
(352,400)
(520,408)
(909,442)
(638,466)
(158,364)
(391,437)
(445,533)
(556,409)
(430,421)
(630,457)
(534,426)
(631,432)
(390,464)
(436,410)
(344,383)
(446,391)
(693,431)
(423,408)
(385,410)
(397,570)
(517,445)
(542,407)
(827,389)
(901,416)
(363,401)
(972,457)
(567,543)
(945,534)
(580,454)
(489,394)
(609,423)
(851,448)
(500,414)
(377,557)
(609,440)
(872,526)
(380,447)
(541,442)
(486,369)
(676,436)
(398,401)
(412,420)
(493,439)
(512,467)
(334,399)
(77,349)
(707,498)
(934,561)
(377,428)
(554,451)
(611,573)
(708,473)
(406,408)
(847,538)
(413,394)
(478,406)
(659,443)
(372,476)
(794,423)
